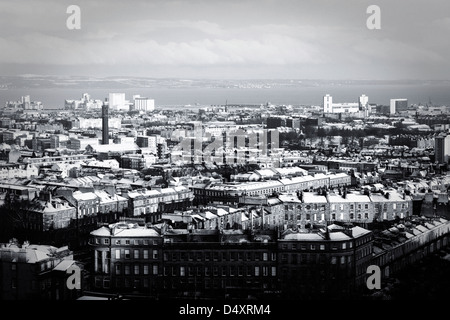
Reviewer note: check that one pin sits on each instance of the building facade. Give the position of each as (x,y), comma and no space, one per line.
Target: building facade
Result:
(37,272)
(166,263)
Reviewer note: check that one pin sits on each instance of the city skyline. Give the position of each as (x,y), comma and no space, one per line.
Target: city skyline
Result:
(233,39)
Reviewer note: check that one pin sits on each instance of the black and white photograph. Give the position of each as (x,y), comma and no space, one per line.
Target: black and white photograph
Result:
(215,158)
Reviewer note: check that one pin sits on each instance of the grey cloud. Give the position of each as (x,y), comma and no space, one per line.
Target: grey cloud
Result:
(283,37)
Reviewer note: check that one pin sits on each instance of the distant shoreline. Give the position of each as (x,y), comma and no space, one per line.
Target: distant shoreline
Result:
(438,93)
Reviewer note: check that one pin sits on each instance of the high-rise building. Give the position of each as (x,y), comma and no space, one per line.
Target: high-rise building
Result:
(344,107)
(327,104)
(105,127)
(398,105)
(363,101)
(442,148)
(26,102)
(143,104)
(117,102)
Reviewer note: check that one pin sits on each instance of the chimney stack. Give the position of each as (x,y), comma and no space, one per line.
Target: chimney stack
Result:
(105,126)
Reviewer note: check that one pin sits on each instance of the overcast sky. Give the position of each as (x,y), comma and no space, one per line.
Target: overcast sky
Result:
(296,39)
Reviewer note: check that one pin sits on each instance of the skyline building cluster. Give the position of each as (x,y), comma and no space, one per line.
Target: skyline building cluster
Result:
(226,201)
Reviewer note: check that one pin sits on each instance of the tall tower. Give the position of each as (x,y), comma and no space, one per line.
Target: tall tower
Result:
(442,148)
(328,104)
(105,128)
(363,101)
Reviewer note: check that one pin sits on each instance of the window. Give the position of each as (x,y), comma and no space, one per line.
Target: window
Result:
(182,271)
(322,247)
(117,253)
(256,271)
(136,254)
(127,254)
(145,269)
(274,271)
(106,241)
(117,241)
(294,258)
(127,241)
(136,269)
(118,269)
(313,247)
(155,254)
(145,254)
(155,269)
(127,269)
(136,242)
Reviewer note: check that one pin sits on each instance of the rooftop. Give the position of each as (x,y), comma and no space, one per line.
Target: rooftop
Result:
(123,229)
